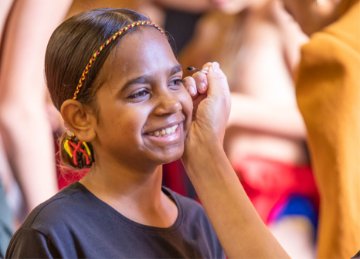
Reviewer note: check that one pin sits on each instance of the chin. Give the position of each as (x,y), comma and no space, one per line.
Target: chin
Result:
(172,157)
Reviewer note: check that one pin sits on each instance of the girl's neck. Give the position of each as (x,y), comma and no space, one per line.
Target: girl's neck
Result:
(136,195)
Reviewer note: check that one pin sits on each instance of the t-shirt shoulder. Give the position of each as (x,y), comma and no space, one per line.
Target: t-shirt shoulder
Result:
(75,202)
(56,209)
(181,200)
(187,207)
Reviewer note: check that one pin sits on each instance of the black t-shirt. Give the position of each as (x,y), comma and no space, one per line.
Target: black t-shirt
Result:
(76,224)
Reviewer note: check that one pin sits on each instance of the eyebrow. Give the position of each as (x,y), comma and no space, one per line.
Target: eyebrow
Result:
(176,69)
(145,78)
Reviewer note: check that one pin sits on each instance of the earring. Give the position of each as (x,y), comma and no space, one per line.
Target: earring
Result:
(76,153)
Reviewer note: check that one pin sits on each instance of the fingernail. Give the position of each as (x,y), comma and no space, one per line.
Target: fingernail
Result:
(192,91)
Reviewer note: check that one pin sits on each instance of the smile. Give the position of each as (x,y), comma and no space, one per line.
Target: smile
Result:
(165,131)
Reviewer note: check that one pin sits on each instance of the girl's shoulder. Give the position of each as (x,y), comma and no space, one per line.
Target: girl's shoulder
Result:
(59,209)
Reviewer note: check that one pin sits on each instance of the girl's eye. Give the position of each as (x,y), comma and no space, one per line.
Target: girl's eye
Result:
(139,94)
(176,84)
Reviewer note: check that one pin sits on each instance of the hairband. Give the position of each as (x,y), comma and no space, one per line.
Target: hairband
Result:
(104,45)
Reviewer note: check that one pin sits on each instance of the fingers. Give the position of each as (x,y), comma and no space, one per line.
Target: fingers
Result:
(201,81)
(217,80)
(209,80)
(206,67)
(211,105)
(198,82)
(190,85)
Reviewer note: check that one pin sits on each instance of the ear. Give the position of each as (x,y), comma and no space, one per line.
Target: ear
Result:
(80,119)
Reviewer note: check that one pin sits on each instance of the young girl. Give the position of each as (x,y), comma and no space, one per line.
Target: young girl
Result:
(118,85)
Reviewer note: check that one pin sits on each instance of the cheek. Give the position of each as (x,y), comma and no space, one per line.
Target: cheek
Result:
(187,108)
(136,117)
(186,102)
(128,120)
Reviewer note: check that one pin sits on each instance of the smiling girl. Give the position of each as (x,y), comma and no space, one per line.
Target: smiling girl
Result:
(114,78)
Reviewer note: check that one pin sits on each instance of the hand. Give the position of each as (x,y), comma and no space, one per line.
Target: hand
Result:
(211,96)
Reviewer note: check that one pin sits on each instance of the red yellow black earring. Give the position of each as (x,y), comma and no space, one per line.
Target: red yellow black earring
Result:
(77,153)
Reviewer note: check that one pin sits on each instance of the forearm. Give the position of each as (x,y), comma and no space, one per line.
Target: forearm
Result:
(251,113)
(239,228)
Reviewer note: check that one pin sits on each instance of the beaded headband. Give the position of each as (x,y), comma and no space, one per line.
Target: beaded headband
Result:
(103,46)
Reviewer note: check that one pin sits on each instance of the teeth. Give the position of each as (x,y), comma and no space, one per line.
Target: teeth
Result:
(164,132)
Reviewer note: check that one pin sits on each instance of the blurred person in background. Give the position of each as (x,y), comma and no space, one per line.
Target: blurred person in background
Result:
(180,18)
(257,43)
(27,143)
(78,6)
(328,95)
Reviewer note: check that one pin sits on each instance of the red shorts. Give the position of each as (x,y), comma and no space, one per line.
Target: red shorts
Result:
(270,183)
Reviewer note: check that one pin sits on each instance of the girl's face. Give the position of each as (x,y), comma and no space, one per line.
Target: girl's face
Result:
(312,15)
(144,109)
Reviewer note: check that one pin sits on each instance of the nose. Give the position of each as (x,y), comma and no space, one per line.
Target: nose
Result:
(168,103)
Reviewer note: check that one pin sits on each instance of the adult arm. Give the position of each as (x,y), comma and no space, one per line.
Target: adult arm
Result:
(239,228)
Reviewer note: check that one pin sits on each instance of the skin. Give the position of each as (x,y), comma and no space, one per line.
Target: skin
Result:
(154,99)
(137,99)
(24,123)
(235,6)
(219,189)
(312,15)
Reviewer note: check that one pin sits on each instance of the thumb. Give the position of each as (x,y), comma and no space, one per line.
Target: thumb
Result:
(217,82)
